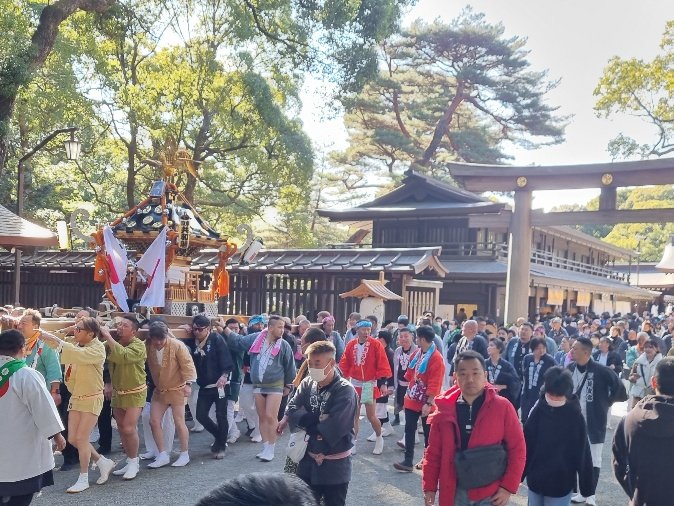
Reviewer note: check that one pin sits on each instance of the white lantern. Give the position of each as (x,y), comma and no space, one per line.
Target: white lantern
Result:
(73,147)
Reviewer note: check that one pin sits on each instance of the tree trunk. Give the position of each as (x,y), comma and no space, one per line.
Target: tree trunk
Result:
(33,57)
(442,126)
(199,153)
(131,152)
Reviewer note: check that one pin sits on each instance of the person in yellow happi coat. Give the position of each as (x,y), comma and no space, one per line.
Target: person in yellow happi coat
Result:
(83,356)
(173,372)
(126,359)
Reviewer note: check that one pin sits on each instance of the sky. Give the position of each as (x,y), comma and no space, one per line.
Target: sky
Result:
(574,40)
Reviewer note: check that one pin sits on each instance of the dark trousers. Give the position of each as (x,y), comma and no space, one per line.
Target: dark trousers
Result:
(69,453)
(282,407)
(411,421)
(18,500)
(332,495)
(207,397)
(105,427)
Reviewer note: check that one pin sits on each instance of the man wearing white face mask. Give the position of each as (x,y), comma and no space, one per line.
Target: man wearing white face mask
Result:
(325,406)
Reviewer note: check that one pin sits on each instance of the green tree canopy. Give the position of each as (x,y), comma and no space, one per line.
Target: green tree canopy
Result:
(644,89)
(223,78)
(456,91)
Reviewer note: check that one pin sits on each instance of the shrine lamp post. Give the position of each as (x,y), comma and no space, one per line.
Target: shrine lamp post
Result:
(73,148)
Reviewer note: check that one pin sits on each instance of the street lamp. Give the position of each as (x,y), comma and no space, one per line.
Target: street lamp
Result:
(73,148)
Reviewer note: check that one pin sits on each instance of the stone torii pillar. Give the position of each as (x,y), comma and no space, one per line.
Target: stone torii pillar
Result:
(519,258)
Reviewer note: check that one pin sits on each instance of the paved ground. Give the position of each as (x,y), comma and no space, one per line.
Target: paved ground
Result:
(374,481)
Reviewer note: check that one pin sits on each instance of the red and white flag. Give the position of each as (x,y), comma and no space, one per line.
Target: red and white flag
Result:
(116,256)
(153,263)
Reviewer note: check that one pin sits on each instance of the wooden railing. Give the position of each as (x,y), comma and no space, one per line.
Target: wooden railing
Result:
(549,259)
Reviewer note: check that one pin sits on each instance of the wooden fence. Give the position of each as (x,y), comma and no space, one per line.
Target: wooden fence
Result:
(251,292)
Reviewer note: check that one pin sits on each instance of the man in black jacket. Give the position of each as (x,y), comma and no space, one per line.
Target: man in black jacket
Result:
(213,363)
(325,405)
(596,387)
(643,445)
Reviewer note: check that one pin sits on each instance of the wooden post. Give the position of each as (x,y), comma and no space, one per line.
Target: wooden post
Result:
(519,258)
(608,198)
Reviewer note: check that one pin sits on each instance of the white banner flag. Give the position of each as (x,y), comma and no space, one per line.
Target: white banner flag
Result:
(153,263)
(116,257)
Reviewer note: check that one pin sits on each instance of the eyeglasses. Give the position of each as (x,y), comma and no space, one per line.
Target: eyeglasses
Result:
(198,329)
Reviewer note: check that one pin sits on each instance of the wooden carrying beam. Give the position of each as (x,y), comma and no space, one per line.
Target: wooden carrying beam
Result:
(608,217)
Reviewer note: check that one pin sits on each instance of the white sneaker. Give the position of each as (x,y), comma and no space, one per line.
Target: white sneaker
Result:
(120,472)
(133,467)
(264,448)
(378,446)
(160,460)
(372,437)
(256,439)
(578,498)
(80,485)
(148,456)
(197,428)
(234,435)
(268,453)
(182,460)
(591,501)
(386,429)
(105,466)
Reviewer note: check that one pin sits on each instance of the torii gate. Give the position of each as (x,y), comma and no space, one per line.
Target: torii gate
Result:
(524,180)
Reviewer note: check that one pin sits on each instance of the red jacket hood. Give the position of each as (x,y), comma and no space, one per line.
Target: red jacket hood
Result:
(446,403)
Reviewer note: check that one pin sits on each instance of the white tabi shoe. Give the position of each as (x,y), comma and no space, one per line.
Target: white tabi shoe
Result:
(591,501)
(234,435)
(372,437)
(105,466)
(80,485)
(268,453)
(161,460)
(264,448)
(378,446)
(132,468)
(578,498)
(386,429)
(256,439)
(182,460)
(148,456)
(120,472)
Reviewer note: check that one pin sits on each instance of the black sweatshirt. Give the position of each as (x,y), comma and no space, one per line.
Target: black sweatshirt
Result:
(558,450)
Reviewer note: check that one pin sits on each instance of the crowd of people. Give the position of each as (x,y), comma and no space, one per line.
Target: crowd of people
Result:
(496,405)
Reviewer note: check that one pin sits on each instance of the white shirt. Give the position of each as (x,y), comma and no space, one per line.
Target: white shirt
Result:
(265,357)
(360,349)
(29,417)
(160,356)
(582,395)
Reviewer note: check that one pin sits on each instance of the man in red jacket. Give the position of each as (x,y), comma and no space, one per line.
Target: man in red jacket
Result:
(471,415)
